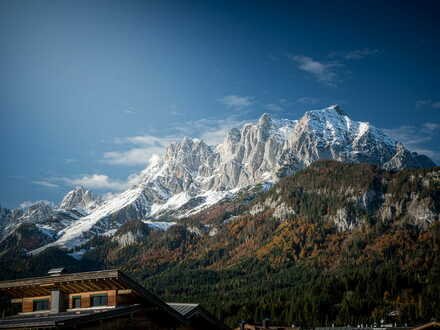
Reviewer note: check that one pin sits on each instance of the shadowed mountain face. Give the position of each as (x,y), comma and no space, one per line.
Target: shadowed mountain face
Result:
(192,175)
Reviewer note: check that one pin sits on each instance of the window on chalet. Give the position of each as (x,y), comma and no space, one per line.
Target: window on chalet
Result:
(41,305)
(99,299)
(76,302)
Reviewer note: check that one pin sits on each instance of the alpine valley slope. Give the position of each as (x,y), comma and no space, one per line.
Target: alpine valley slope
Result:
(192,175)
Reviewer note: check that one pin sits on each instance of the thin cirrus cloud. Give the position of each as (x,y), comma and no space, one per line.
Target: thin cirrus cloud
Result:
(329,73)
(273,107)
(326,73)
(416,138)
(357,54)
(427,103)
(46,184)
(237,102)
(308,100)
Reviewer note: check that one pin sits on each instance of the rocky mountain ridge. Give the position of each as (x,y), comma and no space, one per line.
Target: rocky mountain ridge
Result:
(192,175)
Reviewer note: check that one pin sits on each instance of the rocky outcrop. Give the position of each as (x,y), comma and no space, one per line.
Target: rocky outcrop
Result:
(79,199)
(131,233)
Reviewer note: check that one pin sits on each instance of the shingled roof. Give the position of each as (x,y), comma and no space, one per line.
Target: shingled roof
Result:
(196,314)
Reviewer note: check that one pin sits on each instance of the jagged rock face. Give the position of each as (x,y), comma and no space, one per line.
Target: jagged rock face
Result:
(252,154)
(131,233)
(270,149)
(183,164)
(26,237)
(191,171)
(37,212)
(47,219)
(331,134)
(386,197)
(79,199)
(403,158)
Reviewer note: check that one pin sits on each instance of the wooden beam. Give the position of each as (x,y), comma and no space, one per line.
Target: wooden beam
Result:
(95,285)
(61,278)
(125,291)
(86,286)
(116,284)
(47,285)
(72,287)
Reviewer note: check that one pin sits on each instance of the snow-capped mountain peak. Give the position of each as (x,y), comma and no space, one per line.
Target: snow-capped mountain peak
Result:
(192,175)
(79,199)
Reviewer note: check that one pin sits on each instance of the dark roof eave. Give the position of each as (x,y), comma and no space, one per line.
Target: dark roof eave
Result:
(100,316)
(101,274)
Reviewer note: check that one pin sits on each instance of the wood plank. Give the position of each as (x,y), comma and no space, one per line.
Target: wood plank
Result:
(28,306)
(112,298)
(28,303)
(86,286)
(116,284)
(125,291)
(75,287)
(102,274)
(85,301)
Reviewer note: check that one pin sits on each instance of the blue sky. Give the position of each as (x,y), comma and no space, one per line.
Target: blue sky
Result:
(89,90)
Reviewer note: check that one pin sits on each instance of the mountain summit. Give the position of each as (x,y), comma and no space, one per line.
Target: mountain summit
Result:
(192,175)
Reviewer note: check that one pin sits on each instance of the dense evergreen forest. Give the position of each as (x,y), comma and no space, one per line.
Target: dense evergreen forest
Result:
(334,244)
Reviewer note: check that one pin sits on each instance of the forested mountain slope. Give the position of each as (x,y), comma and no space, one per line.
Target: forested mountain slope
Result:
(334,243)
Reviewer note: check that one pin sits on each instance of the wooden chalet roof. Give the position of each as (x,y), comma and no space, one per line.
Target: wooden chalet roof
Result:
(185,309)
(112,279)
(68,283)
(198,316)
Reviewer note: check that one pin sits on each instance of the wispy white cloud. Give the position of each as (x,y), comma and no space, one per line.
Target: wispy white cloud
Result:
(145,147)
(237,102)
(138,150)
(212,131)
(430,127)
(174,111)
(357,54)
(274,107)
(417,137)
(26,204)
(144,140)
(323,72)
(100,181)
(129,111)
(308,100)
(94,181)
(45,184)
(427,103)
(137,156)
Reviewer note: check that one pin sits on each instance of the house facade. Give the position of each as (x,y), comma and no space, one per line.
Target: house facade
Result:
(106,299)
